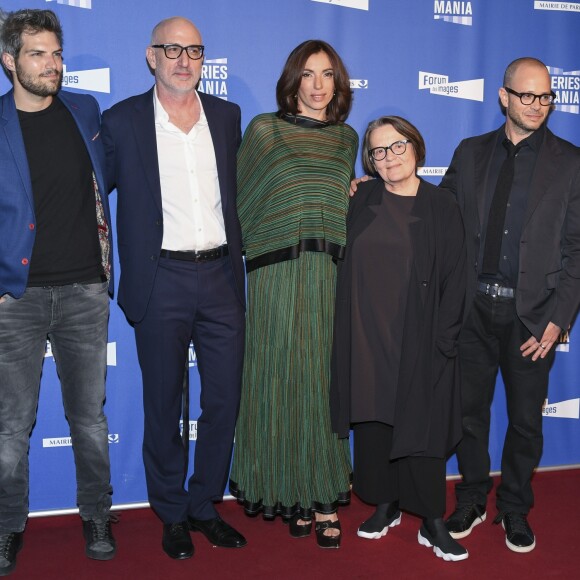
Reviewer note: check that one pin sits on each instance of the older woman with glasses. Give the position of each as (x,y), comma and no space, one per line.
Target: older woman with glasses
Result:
(399,308)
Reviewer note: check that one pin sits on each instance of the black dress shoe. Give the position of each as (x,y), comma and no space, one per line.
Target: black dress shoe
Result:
(10,545)
(176,541)
(218,532)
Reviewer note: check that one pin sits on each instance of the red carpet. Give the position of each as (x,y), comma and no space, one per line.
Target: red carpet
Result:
(54,547)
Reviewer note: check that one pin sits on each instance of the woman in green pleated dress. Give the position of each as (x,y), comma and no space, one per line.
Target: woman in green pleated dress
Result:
(294,169)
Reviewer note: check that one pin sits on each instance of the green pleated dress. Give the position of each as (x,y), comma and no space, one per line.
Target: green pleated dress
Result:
(292,202)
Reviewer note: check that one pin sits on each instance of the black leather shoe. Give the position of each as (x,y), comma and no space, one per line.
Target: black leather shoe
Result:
(518,534)
(218,532)
(10,545)
(464,519)
(176,541)
(434,534)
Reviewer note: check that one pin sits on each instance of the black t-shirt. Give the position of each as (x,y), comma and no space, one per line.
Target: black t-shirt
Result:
(66,247)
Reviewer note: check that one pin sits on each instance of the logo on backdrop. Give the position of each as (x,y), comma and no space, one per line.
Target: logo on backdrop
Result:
(75,3)
(453,12)
(564,342)
(439,85)
(96,80)
(192,430)
(431,171)
(67,441)
(569,409)
(214,74)
(358,4)
(359,84)
(561,6)
(192,357)
(566,85)
(111,353)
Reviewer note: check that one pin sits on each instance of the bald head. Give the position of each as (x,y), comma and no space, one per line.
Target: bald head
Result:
(169,26)
(526,65)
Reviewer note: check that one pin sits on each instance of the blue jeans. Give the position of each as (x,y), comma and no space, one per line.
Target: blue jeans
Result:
(75,319)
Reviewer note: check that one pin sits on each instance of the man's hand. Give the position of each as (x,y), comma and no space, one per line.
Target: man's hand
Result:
(355,182)
(542,348)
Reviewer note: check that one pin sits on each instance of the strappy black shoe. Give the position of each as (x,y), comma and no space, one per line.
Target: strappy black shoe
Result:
(299,530)
(322,539)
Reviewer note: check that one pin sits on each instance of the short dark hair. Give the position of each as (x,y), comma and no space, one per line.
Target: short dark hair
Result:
(402,126)
(291,77)
(26,21)
(513,66)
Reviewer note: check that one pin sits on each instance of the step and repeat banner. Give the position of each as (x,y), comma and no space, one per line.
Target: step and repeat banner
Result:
(437,63)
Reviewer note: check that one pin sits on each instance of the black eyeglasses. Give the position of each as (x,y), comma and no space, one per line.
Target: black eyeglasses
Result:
(545,100)
(398,148)
(173,51)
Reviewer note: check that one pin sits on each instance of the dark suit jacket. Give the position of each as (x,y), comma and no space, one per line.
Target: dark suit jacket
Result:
(17,218)
(427,411)
(132,167)
(548,288)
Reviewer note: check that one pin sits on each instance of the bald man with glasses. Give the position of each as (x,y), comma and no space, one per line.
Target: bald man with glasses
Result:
(519,192)
(171,154)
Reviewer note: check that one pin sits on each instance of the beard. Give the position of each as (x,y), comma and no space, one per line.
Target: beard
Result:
(522,125)
(38,85)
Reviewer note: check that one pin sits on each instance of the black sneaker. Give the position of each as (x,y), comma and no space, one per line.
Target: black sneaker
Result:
(464,519)
(434,534)
(10,545)
(518,534)
(378,524)
(100,544)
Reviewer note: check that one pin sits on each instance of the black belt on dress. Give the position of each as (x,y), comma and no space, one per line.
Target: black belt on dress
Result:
(196,255)
(495,290)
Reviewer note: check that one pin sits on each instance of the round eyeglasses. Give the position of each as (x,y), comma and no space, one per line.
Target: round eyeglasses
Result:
(174,51)
(398,148)
(545,100)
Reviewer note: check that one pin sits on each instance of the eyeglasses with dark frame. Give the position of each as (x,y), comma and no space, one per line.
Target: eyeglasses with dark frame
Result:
(174,51)
(545,100)
(398,148)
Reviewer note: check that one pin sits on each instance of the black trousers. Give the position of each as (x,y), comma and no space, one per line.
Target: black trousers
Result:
(491,340)
(418,483)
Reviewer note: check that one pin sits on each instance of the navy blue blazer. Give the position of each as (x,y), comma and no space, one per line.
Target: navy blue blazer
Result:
(17,217)
(132,167)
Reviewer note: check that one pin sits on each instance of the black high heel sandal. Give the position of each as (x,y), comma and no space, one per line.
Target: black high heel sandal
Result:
(299,530)
(322,539)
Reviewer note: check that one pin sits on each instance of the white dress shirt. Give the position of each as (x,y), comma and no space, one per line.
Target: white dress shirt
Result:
(190,191)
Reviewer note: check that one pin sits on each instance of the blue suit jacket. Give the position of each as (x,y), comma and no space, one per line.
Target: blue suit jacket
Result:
(17,218)
(130,142)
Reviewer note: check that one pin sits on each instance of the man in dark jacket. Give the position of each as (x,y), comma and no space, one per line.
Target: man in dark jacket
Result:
(519,192)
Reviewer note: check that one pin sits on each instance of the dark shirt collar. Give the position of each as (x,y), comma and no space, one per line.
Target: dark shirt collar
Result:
(534,141)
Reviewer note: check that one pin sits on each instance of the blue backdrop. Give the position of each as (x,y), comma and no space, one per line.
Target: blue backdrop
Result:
(437,63)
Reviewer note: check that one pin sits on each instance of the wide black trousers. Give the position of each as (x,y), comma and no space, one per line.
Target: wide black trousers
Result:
(491,340)
(417,483)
